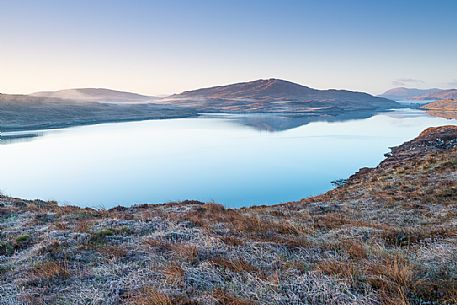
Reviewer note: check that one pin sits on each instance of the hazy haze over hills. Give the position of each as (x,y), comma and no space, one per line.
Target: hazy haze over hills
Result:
(94,95)
(25,112)
(402,93)
(445,94)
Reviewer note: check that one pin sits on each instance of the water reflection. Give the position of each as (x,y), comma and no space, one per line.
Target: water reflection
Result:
(282,121)
(229,159)
(13,137)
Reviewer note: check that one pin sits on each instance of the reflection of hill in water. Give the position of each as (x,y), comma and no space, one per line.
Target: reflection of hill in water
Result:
(283,121)
(17,137)
(443,114)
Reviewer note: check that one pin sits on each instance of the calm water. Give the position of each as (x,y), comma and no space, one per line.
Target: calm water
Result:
(229,159)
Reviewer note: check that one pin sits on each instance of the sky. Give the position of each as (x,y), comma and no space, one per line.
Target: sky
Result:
(163,47)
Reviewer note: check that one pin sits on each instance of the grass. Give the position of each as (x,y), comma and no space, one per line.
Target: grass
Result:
(393,278)
(224,297)
(148,296)
(403,237)
(335,268)
(113,252)
(7,248)
(99,237)
(174,274)
(237,265)
(50,270)
(22,239)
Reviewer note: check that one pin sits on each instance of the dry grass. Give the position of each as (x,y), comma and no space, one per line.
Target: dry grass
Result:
(50,270)
(393,278)
(226,298)
(187,252)
(60,225)
(174,274)
(341,269)
(402,237)
(232,241)
(209,214)
(330,221)
(444,290)
(84,226)
(354,249)
(148,296)
(113,252)
(238,265)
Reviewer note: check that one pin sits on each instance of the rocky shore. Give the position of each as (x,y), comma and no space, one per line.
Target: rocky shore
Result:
(386,236)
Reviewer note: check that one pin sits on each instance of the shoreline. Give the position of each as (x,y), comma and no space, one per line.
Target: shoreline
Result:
(54,126)
(320,116)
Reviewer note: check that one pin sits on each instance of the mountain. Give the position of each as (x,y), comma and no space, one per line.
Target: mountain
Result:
(94,95)
(275,95)
(404,94)
(259,89)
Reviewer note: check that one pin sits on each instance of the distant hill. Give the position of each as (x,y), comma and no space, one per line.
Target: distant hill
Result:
(445,105)
(94,95)
(445,94)
(259,89)
(25,112)
(444,109)
(275,95)
(401,93)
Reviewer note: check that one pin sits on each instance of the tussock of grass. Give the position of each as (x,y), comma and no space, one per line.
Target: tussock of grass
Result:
(50,270)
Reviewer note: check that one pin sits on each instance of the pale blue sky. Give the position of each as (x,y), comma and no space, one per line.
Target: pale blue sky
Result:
(161,47)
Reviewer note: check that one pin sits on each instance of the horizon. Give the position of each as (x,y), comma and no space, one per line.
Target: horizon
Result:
(159,48)
(222,85)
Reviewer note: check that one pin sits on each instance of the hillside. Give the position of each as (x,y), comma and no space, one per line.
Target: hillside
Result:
(445,94)
(443,109)
(23,112)
(94,95)
(444,105)
(402,94)
(275,95)
(387,236)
